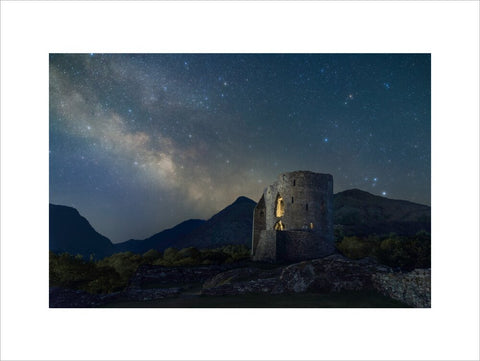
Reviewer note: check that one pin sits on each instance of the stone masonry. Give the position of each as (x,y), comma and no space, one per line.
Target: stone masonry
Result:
(293,221)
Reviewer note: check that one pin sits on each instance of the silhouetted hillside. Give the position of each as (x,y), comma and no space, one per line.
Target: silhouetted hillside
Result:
(356,212)
(362,213)
(232,225)
(70,232)
(162,240)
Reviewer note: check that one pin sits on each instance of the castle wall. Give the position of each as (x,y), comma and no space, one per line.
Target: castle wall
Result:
(307,204)
(267,246)
(259,223)
(294,246)
(308,199)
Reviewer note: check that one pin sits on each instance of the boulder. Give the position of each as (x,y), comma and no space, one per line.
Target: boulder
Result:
(412,288)
(330,274)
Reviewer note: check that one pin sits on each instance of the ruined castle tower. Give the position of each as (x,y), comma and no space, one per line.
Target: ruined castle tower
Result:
(293,221)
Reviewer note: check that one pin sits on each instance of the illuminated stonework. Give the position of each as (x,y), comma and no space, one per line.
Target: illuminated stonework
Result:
(285,231)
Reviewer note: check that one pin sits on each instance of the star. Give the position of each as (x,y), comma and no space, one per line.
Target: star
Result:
(169,122)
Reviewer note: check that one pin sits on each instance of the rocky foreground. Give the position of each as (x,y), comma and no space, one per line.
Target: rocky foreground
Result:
(334,273)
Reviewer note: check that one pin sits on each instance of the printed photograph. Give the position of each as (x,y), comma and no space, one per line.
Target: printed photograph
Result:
(239,180)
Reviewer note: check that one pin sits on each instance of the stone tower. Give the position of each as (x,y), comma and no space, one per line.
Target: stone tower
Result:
(293,221)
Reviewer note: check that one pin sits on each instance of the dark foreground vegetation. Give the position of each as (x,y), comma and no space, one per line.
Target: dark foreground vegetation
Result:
(113,273)
(401,252)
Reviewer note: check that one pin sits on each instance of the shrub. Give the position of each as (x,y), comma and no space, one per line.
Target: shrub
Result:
(354,247)
(151,256)
(170,255)
(75,273)
(125,263)
(395,251)
(405,253)
(70,271)
(187,261)
(215,256)
(107,280)
(236,252)
(190,252)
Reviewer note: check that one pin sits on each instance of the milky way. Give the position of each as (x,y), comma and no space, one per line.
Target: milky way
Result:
(141,142)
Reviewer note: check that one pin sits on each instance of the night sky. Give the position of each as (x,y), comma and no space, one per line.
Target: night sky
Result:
(141,142)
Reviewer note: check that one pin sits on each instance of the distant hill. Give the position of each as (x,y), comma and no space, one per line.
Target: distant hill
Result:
(162,240)
(362,213)
(70,232)
(232,225)
(356,212)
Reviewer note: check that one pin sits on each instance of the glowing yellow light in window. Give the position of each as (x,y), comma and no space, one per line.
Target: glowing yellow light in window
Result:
(279,226)
(280,208)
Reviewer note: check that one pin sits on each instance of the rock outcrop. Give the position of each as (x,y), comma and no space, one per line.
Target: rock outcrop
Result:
(334,273)
(244,281)
(412,288)
(331,274)
(164,276)
(66,298)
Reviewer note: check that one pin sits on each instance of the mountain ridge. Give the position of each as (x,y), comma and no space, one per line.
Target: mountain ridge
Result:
(161,239)
(361,213)
(70,232)
(356,212)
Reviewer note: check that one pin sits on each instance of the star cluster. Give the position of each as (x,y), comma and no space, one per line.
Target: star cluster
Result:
(141,142)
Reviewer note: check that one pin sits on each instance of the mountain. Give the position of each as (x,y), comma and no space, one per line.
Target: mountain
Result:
(232,225)
(362,213)
(356,212)
(161,240)
(70,232)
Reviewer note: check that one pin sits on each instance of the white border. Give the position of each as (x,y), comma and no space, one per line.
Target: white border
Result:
(448,30)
